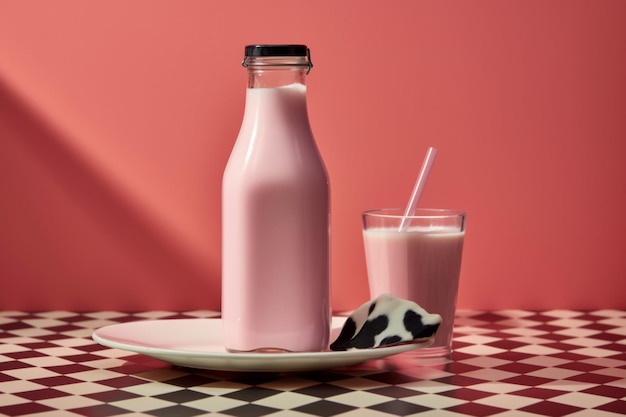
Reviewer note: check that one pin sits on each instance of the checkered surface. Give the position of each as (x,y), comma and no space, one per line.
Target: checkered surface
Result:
(505,363)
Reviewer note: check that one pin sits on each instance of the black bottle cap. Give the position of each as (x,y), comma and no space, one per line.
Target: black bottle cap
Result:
(276,50)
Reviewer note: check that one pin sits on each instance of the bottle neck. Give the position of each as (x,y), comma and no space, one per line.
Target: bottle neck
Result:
(271,72)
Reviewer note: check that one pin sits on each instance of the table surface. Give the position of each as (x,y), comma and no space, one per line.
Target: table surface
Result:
(505,363)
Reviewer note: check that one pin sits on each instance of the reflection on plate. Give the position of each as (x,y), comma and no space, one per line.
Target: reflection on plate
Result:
(197,343)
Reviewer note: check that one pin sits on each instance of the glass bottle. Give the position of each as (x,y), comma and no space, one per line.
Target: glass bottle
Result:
(275,214)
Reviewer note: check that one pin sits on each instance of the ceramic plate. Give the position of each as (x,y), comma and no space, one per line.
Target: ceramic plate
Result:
(197,343)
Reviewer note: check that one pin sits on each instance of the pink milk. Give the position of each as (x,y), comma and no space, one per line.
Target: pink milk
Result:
(421,264)
(275,284)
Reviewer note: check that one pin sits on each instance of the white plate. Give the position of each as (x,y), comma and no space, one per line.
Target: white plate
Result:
(197,343)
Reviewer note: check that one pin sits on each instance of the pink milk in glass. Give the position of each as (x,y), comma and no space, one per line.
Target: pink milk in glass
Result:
(421,263)
(275,269)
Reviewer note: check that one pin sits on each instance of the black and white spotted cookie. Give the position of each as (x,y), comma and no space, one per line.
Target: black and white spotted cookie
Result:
(387,320)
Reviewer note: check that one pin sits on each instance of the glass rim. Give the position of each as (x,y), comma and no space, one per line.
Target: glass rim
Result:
(420,213)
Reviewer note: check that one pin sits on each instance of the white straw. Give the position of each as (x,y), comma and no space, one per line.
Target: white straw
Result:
(419,188)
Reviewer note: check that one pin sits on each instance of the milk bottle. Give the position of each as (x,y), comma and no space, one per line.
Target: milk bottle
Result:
(275,214)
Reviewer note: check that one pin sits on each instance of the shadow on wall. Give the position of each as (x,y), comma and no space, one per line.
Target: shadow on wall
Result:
(70,238)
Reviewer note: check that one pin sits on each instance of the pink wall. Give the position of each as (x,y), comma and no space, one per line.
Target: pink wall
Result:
(117,118)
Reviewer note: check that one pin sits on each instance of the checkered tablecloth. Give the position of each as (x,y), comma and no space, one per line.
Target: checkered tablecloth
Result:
(505,363)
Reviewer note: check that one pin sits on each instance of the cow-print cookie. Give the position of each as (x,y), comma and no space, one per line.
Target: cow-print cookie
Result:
(385,321)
